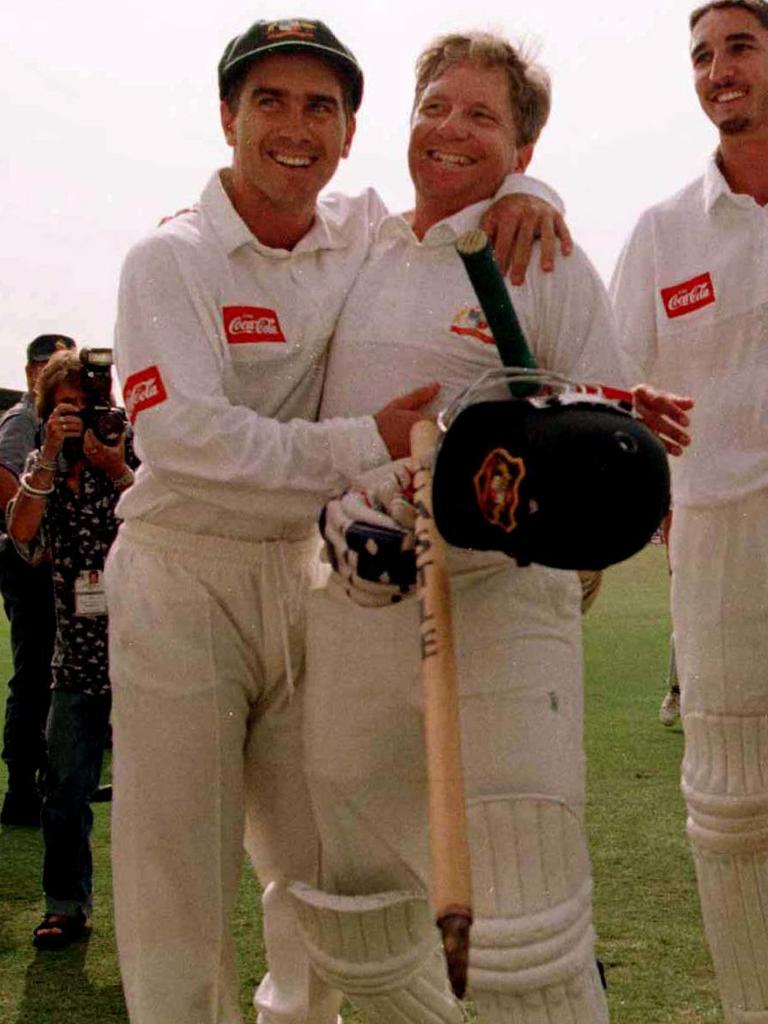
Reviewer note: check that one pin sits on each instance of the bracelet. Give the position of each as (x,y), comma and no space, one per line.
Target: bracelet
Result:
(42,463)
(34,492)
(125,480)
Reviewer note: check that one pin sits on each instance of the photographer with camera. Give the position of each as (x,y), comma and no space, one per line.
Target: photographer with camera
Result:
(64,512)
(27,594)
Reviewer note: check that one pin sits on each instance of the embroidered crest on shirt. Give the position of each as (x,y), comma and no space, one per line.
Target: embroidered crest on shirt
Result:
(471,321)
(247,325)
(497,487)
(296,27)
(688,296)
(143,390)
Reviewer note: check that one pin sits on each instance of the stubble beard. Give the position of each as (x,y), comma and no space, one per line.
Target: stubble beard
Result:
(735,126)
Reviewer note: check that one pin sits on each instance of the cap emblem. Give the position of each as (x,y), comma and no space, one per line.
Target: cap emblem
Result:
(497,487)
(282,29)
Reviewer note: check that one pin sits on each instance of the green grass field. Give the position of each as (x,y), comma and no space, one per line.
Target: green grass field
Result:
(647,915)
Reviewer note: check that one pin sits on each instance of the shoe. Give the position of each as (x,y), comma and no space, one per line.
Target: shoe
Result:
(21,809)
(60,930)
(669,712)
(102,795)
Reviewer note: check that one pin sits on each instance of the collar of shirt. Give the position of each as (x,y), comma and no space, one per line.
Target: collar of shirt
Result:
(445,232)
(716,189)
(329,230)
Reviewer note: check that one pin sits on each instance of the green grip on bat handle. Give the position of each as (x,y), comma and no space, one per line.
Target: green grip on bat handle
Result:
(491,291)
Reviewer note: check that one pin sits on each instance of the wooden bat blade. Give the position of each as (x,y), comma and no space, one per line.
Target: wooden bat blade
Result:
(449,847)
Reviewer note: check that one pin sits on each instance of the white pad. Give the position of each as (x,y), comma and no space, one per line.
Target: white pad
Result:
(532,957)
(382,951)
(727,797)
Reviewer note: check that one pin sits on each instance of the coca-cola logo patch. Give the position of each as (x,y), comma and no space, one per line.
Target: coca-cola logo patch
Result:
(142,390)
(688,296)
(246,325)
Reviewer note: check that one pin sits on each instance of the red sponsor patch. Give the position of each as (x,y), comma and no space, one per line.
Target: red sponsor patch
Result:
(688,296)
(611,393)
(143,390)
(245,325)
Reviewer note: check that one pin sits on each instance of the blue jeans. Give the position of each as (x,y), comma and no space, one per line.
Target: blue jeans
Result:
(76,731)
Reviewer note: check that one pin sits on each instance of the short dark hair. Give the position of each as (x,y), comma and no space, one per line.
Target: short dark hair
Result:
(234,87)
(63,367)
(529,84)
(757,7)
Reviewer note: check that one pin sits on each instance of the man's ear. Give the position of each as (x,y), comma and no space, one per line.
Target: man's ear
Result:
(349,134)
(524,157)
(227,122)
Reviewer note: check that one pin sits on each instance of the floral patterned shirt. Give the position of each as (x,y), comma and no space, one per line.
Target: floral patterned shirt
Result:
(76,533)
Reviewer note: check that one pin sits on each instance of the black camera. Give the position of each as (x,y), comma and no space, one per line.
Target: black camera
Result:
(99,415)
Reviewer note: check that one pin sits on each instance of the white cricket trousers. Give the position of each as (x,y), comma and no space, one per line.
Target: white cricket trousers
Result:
(519,665)
(720,616)
(205,635)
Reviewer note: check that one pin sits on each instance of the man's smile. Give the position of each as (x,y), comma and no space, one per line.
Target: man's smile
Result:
(457,159)
(291,160)
(727,95)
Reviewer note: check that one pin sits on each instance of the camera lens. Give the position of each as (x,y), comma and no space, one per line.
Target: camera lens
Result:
(108,425)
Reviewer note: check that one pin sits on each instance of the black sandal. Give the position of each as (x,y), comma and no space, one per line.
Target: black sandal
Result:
(61,930)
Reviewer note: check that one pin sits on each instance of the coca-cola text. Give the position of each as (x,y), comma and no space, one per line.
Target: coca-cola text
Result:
(688,296)
(143,390)
(245,325)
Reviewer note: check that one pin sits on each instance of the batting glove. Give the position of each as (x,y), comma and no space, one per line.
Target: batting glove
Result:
(369,536)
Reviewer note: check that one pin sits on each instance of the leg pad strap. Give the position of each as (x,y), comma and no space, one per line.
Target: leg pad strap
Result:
(382,951)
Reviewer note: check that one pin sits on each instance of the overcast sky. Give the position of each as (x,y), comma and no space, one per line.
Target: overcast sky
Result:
(110,120)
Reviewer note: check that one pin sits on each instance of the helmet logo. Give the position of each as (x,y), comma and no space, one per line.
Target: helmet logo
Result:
(497,487)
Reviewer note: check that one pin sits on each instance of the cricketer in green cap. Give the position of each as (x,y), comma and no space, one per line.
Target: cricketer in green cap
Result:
(289,90)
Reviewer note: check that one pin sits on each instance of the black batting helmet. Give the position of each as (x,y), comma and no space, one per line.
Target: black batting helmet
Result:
(571,481)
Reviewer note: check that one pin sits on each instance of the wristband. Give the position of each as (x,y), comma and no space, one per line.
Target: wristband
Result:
(34,492)
(42,463)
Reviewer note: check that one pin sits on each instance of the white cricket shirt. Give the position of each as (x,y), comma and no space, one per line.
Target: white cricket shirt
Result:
(412,317)
(220,346)
(690,292)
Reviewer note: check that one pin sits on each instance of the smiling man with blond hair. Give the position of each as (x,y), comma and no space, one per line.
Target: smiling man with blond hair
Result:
(480,106)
